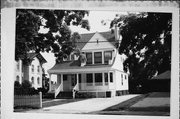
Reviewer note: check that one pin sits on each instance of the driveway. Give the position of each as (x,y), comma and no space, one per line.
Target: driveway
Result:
(86,106)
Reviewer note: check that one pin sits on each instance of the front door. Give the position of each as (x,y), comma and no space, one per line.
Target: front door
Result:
(66,82)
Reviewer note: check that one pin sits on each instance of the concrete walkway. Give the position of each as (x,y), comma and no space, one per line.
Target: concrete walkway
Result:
(86,106)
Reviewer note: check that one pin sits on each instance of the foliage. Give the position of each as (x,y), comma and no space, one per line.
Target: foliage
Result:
(26,84)
(57,38)
(45,86)
(24,88)
(146,41)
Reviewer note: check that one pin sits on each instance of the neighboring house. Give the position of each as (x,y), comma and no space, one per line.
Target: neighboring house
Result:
(31,71)
(160,83)
(97,72)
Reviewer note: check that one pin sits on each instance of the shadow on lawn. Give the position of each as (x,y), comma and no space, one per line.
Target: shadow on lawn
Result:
(126,104)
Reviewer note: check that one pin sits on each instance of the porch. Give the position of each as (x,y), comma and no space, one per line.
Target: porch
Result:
(83,82)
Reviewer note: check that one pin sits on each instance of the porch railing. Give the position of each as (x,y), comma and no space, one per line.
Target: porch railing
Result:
(58,90)
(76,87)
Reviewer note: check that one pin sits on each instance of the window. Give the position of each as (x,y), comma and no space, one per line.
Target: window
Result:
(32,80)
(89,79)
(111,77)
(106,78)
(38,80)
(32,68)
(107,56)
(38,68)
(98,57)
(89,58)
(125,77)
(79,78)
(18,64)
(98,78)
(122,79)
(17,78)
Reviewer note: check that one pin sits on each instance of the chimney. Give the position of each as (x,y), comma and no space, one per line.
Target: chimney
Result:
(118,37)
(116,32)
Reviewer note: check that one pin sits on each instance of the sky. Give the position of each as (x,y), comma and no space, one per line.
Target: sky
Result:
(95,21)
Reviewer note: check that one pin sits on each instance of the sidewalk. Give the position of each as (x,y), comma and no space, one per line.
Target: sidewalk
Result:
(86,106)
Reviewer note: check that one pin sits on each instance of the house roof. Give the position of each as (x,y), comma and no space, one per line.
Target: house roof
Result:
(162,76)
(86,37)
(38,55)
(75,65)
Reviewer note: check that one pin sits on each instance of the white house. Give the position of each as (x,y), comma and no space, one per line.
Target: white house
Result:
(100,75)
(31,71)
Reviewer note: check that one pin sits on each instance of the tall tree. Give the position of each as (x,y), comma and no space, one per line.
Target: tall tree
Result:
(57,38)
(146,41)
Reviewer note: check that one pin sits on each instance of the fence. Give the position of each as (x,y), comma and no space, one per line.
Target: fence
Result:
(34,101)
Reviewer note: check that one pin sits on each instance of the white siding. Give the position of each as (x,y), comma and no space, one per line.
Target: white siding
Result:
(119,85)
(18,71)
(35,74)
(97,46)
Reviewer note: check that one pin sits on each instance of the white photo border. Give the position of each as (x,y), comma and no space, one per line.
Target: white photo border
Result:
(8,53)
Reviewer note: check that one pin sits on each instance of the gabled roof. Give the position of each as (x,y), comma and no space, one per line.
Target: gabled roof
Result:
(38,55)
(162,76)
(86,37)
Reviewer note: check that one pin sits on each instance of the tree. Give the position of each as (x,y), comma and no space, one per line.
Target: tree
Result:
(56,39)
(146,41)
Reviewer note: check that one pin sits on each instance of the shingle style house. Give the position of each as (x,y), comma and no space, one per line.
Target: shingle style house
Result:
(99,75)
(31,70)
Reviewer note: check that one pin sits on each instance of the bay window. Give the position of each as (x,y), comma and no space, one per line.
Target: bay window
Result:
(107,56)
(98,58)
(89,58)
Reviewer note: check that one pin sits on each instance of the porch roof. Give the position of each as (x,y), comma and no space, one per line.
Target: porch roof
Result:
(74,66)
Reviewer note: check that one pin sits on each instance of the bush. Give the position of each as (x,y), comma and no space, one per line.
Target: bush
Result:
(26,84)
(24,89)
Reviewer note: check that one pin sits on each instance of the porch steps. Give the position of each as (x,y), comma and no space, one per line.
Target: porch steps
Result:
(65,95)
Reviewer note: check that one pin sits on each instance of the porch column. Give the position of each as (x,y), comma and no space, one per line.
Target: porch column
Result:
(50,82)
(61,80)
(103,79)
(77,77)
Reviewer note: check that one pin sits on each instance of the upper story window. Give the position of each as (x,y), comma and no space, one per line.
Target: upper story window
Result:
(38,68)
(98,78)
(107,56)
(89,58)
(32,68)
(18,64)
(98,58)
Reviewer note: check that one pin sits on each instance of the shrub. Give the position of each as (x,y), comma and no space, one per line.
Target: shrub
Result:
(24,89)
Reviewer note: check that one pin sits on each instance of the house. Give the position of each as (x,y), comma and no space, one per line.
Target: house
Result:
(160,83)
(97,72)
(31,70)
